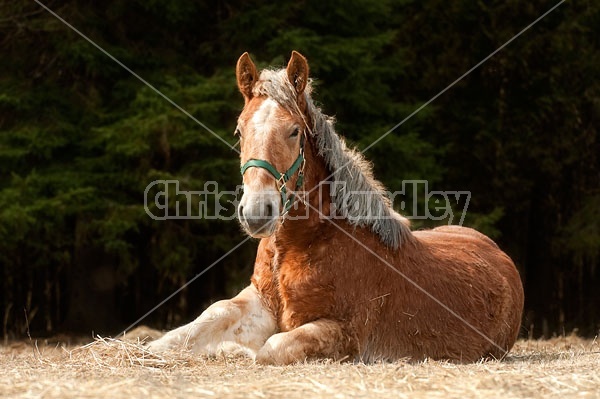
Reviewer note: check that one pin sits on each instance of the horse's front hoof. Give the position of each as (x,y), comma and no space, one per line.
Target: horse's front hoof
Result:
(280,351)
(159,346)
(264,358)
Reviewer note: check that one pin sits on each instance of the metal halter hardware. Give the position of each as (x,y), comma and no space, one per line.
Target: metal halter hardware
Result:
(284,177)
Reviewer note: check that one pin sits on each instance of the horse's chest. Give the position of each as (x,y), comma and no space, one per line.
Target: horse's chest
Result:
(305,288)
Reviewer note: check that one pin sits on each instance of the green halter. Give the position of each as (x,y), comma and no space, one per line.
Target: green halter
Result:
(284,177)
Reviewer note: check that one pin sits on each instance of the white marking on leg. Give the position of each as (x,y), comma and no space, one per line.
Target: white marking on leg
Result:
(240,325)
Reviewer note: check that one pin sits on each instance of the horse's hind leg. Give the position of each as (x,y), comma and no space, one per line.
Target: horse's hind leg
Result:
(238,325)
(319,339)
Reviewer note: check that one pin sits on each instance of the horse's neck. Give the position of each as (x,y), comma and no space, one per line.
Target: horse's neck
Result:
(316,184)
(308,220)
(313,199)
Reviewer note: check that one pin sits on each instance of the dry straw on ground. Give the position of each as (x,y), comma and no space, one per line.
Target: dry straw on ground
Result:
(107,368)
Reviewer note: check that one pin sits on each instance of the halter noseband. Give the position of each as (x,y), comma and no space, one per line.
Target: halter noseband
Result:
(282,178)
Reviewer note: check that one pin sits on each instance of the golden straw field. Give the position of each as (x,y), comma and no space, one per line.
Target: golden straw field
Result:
(565,367)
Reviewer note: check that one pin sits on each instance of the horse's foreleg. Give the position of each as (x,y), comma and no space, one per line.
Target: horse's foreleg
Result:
(319,339)
(238,325)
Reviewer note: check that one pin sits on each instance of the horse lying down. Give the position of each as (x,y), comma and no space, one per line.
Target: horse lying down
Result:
(344,277)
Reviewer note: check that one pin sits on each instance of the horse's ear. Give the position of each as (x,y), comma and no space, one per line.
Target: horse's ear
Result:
(297,71)
(246,75)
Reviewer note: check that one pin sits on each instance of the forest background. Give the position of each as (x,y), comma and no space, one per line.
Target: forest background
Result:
(81,138)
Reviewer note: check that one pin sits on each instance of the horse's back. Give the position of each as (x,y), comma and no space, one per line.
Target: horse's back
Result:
(467,246)
(466,231)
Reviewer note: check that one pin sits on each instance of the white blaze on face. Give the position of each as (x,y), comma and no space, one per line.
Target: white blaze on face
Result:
(260,205)
(263,119)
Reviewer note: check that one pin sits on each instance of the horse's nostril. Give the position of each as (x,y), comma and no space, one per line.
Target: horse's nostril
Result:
(241,212)
(269,210)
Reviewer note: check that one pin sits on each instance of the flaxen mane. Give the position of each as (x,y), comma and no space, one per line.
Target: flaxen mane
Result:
(360,198)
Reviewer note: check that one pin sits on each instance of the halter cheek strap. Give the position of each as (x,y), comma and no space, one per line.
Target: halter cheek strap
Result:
(282,178)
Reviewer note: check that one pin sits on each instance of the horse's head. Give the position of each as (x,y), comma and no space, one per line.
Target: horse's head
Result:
(272,138)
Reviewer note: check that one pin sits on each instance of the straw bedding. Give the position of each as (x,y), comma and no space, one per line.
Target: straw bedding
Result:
(123,368)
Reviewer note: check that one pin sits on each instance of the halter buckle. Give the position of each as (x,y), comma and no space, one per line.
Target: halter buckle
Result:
(281,181)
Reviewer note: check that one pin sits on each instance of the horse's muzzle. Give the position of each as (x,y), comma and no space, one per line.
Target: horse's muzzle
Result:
(259,213)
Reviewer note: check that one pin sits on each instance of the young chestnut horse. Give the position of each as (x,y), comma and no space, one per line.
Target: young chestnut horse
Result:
(361,285)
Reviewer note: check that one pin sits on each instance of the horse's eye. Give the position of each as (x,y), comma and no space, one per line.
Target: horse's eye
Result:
(295,133)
